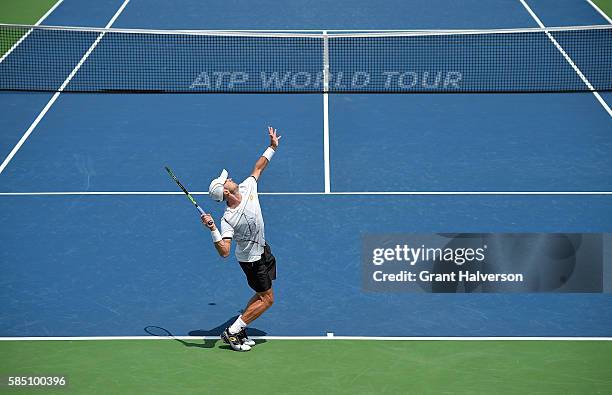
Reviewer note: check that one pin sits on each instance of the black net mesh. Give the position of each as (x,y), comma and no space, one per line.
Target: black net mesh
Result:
(98,60)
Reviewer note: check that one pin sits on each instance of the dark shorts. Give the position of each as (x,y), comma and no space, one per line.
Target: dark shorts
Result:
(260,273)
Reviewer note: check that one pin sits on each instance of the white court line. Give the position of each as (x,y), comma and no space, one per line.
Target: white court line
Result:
(30,31)
(363,193)
(366,193)
(607,18)
(331,33)
(326,112)
(326,142)
(332,338)
(568,59)
(56,95)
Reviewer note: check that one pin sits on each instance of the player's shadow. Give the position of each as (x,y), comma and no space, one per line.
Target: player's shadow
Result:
(208,343)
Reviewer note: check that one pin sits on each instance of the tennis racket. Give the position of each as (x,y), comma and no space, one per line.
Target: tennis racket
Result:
(186,192)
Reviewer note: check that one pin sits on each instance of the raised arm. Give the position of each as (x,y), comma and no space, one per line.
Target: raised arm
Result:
(263,160)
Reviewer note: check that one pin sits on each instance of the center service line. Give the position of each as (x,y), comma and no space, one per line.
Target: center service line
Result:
(326,111)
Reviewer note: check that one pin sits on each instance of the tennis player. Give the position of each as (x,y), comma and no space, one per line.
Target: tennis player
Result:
(242,222)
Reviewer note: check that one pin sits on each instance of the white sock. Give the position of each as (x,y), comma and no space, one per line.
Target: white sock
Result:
(237,326)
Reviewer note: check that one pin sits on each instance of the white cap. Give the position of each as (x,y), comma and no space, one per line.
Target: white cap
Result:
(215,190)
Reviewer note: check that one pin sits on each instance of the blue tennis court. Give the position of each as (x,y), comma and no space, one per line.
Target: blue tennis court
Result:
(96,241)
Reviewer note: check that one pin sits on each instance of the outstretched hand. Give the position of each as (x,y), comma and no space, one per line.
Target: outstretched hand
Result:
(274,138)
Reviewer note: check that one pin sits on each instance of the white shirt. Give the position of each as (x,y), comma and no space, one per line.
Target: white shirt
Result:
(245,223)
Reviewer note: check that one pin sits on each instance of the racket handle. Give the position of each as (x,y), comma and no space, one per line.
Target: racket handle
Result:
(203,213)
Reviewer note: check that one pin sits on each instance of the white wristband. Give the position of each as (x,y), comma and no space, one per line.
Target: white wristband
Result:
(216,236)
(268,153)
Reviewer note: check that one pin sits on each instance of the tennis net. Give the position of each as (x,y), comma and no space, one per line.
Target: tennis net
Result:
(70,59)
